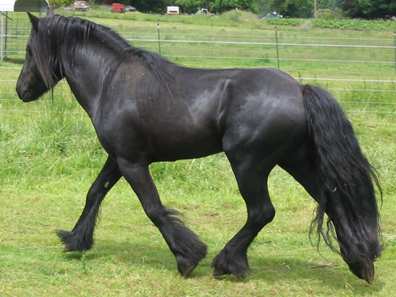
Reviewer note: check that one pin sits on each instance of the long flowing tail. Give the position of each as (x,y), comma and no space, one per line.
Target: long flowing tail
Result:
(345,177)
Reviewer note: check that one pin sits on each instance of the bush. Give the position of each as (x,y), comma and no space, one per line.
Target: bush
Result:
(237,15)
(293,8)
(355,24)
(329,14)
(286,22)
(369,8)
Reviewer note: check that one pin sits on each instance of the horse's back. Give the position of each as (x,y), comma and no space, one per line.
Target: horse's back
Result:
(201,112)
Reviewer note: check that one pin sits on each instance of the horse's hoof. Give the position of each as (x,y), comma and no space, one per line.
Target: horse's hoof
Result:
(223,266)
(185,266)
(221,274)
(72,242)
(194,252)
(65,237)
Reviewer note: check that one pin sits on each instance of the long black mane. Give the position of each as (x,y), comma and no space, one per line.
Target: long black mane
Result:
(57,31)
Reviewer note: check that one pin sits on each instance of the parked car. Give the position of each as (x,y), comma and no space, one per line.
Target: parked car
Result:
(117,7)
(129,8)
(172,10)
(80,5)
(203,11)
(273,15)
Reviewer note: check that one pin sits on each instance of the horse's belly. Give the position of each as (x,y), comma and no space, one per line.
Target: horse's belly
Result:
(184,145)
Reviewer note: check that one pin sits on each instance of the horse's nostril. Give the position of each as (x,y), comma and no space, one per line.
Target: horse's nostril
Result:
(23,93)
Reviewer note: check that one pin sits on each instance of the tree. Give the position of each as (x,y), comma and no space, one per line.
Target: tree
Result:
(293,8)
(191,6)
(141,5)
(288,8)
(224,5)
(58,2)
(370,8)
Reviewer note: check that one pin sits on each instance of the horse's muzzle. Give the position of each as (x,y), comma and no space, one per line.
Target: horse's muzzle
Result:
(364,270)
(25,95)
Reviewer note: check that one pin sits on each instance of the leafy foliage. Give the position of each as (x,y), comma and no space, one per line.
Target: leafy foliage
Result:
(329,14)
(218,6)
(288,8)
(191,6)
(293,8)
(57,3)
(370,8)
(355,24)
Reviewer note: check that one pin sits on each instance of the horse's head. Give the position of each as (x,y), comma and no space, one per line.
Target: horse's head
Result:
(359,239)
(357,229)
(40,71)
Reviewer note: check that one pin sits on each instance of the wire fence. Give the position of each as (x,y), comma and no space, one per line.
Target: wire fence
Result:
(271,46)
(360,68)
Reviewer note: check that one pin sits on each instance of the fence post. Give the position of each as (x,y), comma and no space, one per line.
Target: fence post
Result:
(277,47)
(394,48)
(5,34)
(315,9)
(2,37)
(159,37)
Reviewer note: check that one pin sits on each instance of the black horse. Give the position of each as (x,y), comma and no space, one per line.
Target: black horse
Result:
(146,109)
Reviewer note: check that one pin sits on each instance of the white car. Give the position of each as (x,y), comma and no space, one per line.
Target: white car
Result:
(80,5)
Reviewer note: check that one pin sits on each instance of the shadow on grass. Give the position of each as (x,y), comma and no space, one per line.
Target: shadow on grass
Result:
(15,60)
(131,254)
(278,270)
(274,271)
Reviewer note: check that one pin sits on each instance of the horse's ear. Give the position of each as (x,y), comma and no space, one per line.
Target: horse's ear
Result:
(34,20)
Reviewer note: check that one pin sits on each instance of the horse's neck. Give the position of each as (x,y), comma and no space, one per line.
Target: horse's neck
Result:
(85,73)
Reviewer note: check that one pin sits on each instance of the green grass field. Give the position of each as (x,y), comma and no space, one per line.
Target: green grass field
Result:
(50,156)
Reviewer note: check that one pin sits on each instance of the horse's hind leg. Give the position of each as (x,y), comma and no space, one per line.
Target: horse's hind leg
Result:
(299,164)
(184,244)
(81,237)
(252,177)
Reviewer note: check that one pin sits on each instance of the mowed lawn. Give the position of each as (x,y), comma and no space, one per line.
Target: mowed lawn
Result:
(49,156)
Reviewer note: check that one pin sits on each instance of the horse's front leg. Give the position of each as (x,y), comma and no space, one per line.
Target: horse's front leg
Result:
(81,237)
(184,244)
